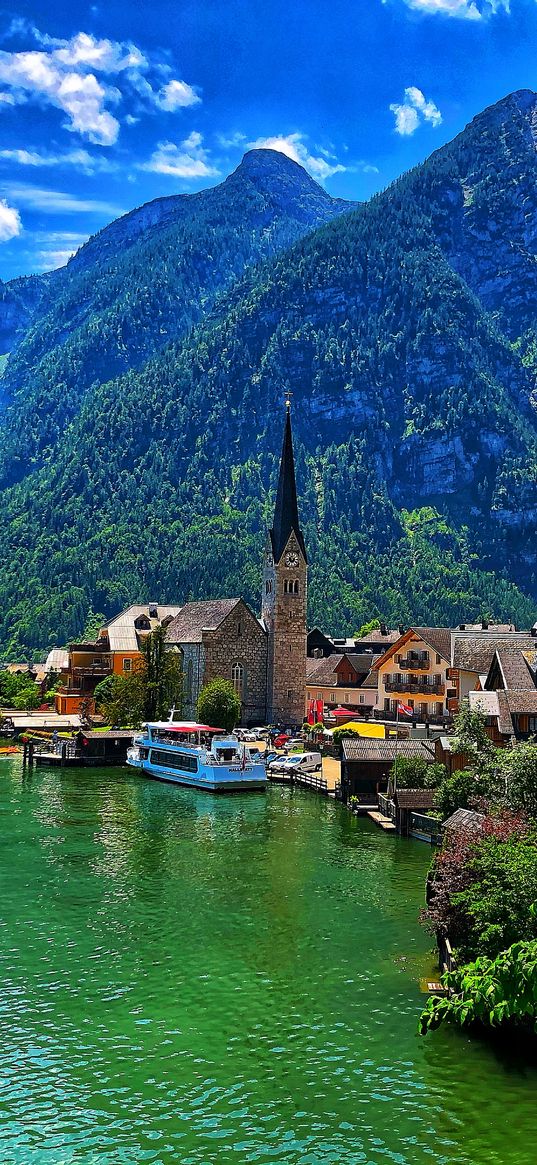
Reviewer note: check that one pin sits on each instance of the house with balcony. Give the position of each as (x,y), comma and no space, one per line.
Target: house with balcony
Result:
(416,671)
(115,651)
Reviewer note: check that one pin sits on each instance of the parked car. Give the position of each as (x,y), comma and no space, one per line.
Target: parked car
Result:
(281,740)
(247,734)
(295,743)
(309,762)
(268,757)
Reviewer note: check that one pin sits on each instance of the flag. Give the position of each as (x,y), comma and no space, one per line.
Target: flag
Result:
(405,709)
(319,711)
(311,713)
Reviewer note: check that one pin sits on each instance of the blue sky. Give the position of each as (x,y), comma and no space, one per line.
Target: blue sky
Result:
(105,106)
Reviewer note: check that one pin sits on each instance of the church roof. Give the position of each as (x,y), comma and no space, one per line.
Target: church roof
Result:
(286,510)
(195,618)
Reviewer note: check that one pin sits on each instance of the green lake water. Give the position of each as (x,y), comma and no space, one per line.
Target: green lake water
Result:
(195,980)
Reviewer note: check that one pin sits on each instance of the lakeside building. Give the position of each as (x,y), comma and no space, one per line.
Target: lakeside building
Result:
(262,656)
(116,651)
(341,680)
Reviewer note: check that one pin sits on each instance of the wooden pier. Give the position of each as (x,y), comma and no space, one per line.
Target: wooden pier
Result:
(385,823)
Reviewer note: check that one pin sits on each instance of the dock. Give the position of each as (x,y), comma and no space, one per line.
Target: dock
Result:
(385,823)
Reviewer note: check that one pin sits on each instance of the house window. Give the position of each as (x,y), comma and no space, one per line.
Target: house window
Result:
(127,665)
(362,698)
(332,697)
(438,659)
(237,679)
(319,695)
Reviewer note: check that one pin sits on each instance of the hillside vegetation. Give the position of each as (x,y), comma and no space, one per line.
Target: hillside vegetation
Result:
(406,331)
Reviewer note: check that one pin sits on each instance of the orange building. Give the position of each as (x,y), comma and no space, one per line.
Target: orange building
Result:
(116,651)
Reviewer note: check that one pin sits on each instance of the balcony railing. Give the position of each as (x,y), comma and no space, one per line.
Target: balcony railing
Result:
(411,664)
(415,687)
(103,668)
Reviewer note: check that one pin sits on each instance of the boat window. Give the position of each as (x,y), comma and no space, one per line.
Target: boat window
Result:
(170,760)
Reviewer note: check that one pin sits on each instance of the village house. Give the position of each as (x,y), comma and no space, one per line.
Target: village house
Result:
(416,672)
(338,680)
(509,694)
(116,651)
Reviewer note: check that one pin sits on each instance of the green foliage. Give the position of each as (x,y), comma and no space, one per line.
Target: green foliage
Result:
(461,790)
(148,390)
(18,691)
(147,693)
(219,705)
(367,628)
(515,776)
(495,906)
(492,992)
(342,733)
(471,737)
(413,772)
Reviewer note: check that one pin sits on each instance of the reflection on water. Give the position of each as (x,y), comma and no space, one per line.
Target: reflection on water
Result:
(193,979)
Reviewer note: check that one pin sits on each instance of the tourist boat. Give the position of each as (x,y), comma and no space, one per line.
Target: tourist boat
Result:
(196,755)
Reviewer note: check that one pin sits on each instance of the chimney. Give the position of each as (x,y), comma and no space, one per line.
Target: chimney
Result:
(484,625)
(383,629)
(401,629)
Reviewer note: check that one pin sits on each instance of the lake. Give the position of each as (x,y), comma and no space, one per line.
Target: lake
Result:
(192,979)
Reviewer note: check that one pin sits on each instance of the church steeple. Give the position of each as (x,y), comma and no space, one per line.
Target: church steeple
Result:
(284,604)
(286,509)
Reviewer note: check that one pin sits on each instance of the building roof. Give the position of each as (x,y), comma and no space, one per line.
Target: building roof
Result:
(286,510)
(465,819)
(514,668)
(371,681)
(414,798)
(110,734)
(121,631)
(439,638)
(57,659)
(361,661)
(364,749)
(195,618)
(475,651)
(325,671)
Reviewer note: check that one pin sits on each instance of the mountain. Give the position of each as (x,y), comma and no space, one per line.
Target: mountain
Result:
(406,331)
(145,279)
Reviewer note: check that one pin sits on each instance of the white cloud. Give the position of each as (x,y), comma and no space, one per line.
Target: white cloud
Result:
(189,159)
(293,145)
(413,111)
(57,202)
(232,141)
(10,222)
(462,9)
(79,159)
(177,95)
(63,74)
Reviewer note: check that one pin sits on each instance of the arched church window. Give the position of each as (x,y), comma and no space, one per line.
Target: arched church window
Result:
(237,679)
(295,586)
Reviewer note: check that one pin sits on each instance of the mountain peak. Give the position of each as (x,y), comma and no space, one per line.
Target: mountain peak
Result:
(267,165)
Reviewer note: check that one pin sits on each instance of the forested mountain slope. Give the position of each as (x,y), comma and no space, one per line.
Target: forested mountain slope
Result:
(143,280)
(410,355)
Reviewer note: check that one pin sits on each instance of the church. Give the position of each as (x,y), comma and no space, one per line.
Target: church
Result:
(263,656)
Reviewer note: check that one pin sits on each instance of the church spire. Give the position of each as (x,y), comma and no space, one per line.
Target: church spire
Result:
(286,510)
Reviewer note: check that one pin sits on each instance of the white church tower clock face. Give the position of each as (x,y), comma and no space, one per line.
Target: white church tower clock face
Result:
(291,560)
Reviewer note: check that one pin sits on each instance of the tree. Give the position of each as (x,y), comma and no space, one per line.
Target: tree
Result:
(148,693)
(413,772)
(462,790)
(367,628)
(494,992)
(470,735)
(516,772)
(162,676)
(219,705)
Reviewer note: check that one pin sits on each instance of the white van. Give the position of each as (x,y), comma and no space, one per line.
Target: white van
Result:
(308,762)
